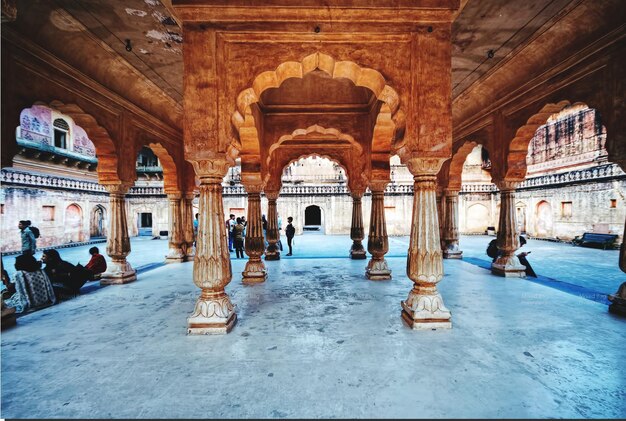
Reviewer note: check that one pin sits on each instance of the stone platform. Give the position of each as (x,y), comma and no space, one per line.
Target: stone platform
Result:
(317,340)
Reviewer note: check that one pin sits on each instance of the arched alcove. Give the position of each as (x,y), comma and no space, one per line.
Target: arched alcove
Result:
(97,227)
(313,220)
(73,223)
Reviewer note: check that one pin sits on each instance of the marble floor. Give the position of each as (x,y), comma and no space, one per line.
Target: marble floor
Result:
(318,340)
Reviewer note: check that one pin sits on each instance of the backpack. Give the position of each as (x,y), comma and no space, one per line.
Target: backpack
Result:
(35,231)
(492,249)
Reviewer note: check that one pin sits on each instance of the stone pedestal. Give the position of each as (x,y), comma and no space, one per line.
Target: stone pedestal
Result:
(214,313)
(119,271)
(188,217)
(377,241)
(254,271)
(450,226)
(424,307)
(273,235)
(357,233)
(508,264)
(175,253)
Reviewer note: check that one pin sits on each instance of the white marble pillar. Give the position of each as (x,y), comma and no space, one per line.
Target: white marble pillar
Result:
(119,271)
(357,232)
(175,252)
(451,226)
(377,241)
(508,236)
(254,271)
(214,313)
(273,235)
(188,217)
(424,307)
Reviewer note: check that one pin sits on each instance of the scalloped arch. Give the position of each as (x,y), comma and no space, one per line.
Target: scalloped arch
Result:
(106,152)
(457,162)
(170,174)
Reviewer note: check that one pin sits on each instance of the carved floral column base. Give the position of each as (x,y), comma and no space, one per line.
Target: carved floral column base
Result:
(175,256)
(452,252)
(190,253)
(272,254)
(377,270)
(509,267)
(118,272)
(424,309)
(357,252)
(214,314)
(254,272)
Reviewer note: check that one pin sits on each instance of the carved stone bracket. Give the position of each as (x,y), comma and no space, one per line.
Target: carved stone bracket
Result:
(507,264)
(119,271)
(213,313)
(450,226)
(377,241)
(273,234)
(357,233)
(254,271)
(424,307)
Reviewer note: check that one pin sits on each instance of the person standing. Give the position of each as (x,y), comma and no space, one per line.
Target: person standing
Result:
(239,230)
(196,222)
(29,242)
(290,231)
(230,225)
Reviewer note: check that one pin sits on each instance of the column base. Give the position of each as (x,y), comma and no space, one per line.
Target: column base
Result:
(213,315)
(175,256)
(118,273)
(377,270)
(509,267)
(449,254)
(423,312)
(254,273)
(272,255)
(358,254)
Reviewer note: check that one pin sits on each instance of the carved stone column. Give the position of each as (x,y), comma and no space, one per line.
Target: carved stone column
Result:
(119,271)
(273,235)
(188,217)
(357,233)
(508,236)
(254,271)
(214,313)
(176,253)
(424,307)
(450,226)
(377,241)
(441,213)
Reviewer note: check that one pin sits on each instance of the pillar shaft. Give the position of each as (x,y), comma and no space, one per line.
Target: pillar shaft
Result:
(441,214)
(119,271)
(357,232)
(450,226)
(254,271)
(214,313)
(188,235)
(175,253)
(377,241)
(424,307)
(508,236)
(273,235)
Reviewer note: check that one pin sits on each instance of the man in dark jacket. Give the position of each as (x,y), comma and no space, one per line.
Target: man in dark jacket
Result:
(29,243)
(290,231)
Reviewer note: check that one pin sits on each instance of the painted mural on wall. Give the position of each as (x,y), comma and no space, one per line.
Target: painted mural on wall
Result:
(36,125)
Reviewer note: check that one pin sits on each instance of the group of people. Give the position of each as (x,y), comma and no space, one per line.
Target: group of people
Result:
(494,252)
(236,228)
(34,287)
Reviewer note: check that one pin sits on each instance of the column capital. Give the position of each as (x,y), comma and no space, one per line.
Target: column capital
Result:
(118,189)
(504,185)
(272,195)
(357,194)
(212,170)
(451,192)
(174,195)
(189,195)
(378,185)
(253,188)
(420,166)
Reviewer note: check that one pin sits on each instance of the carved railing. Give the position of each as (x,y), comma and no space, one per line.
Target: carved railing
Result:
(607,171)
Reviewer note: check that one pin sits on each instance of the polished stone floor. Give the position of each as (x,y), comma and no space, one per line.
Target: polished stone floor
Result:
(318,340)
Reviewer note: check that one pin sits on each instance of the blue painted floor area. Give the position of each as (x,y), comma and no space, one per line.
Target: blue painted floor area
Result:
(317,340)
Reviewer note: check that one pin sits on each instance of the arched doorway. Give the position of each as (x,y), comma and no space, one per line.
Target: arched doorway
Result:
(313,218)
(73,221)
(97,225)
(477,218)
(544,219)
(520,216)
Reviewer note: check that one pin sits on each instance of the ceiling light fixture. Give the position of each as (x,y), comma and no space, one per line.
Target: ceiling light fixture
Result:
(128,46)
(491,53)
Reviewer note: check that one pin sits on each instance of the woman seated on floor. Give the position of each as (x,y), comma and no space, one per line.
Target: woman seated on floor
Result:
(66,278)
(32,286)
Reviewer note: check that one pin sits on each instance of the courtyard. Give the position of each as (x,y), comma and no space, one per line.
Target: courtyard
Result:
(317,339)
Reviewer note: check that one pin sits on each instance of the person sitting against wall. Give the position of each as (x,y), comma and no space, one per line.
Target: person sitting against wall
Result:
(66,278)
(33,288)
(97,265)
